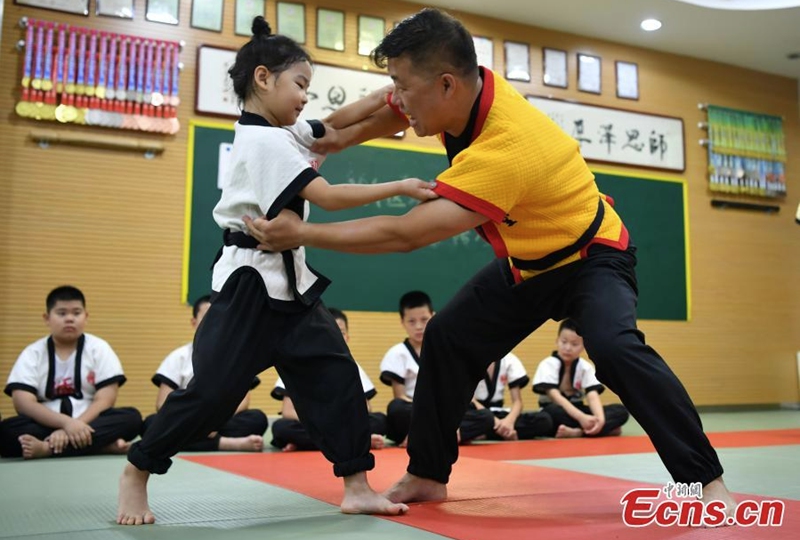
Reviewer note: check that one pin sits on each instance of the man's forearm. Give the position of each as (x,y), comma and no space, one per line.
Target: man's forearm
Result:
(378,234)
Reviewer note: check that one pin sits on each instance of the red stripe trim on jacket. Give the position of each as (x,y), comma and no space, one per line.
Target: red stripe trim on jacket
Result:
(487,98)
(492,235)
(516,273)
(621,244)
(470,201)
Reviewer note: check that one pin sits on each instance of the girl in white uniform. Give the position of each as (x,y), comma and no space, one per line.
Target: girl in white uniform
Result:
(267,309)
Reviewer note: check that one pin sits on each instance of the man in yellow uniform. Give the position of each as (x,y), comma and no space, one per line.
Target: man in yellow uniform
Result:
(562,251)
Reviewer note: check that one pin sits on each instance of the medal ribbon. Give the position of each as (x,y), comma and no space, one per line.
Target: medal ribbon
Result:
(90,66)
(175,71)
(140,72)
(112,61)
(123,49)
(37,75)
(27,66)
(81,62)
(60,75)
(47,80)
(101,68)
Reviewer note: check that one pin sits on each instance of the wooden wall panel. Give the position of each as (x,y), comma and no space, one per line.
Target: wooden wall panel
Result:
(111,222)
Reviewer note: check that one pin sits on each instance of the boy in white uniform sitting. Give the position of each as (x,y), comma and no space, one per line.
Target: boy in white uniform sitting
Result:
(64,388)
(563,380)
(243,432)
(510,423)
(288,433)
(399,369)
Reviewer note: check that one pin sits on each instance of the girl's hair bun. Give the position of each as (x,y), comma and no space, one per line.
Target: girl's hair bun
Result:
(261,27)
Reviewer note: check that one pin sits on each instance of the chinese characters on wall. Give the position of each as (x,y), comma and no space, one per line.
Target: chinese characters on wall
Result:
(617,136)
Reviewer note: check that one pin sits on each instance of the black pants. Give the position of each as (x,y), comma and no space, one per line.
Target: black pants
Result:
(285,431)
(242,335)
(491,314)
(243,424)
(616,416)
(112,424)
(474,423)
(528,425)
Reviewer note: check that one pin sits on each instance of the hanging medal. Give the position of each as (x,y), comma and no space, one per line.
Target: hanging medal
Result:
(112,64)
(100,90)
(36,83)
(90,65)
(60,71)
(23,108)
(158,91)
(174,99)
(119,93)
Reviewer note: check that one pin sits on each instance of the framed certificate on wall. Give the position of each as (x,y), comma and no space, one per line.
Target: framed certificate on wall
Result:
(518,61)
(554,67)
(588,73)
(370,33)
(163,11)
(79,7)
(484,50)
(246,11)
(627,80)
(330,29)
(292,21)
(122,9)
(207,15)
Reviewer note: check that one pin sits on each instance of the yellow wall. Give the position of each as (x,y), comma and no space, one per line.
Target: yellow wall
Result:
(111,222)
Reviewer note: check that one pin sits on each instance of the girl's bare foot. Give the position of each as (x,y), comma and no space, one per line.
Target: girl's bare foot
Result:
(120,446)
(565,432)
(33,448)
(290,447)
(359,498)
(616,432)
(377,442)
(251,443)
(133,508)
(717,491)
(412,488)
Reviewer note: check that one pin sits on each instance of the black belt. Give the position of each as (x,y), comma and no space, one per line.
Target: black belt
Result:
(239,239)
(549,260)
(242,240)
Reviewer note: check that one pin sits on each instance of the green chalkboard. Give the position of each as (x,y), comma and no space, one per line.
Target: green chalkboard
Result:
(653,212)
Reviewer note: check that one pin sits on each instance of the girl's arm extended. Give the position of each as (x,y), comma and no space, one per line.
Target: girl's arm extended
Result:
(340,196)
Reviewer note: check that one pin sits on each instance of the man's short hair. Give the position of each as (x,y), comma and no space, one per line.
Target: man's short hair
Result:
(434,41)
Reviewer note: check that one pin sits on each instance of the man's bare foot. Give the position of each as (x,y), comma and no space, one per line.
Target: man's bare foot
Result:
(33,448)
(120,446)
(566,432)
(359,498)
(290,447)
(717,491)
(412,488)
(376,441)
(251,443)
(403,443)
(133,508)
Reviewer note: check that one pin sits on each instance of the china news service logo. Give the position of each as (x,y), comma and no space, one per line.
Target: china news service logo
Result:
(645,506)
